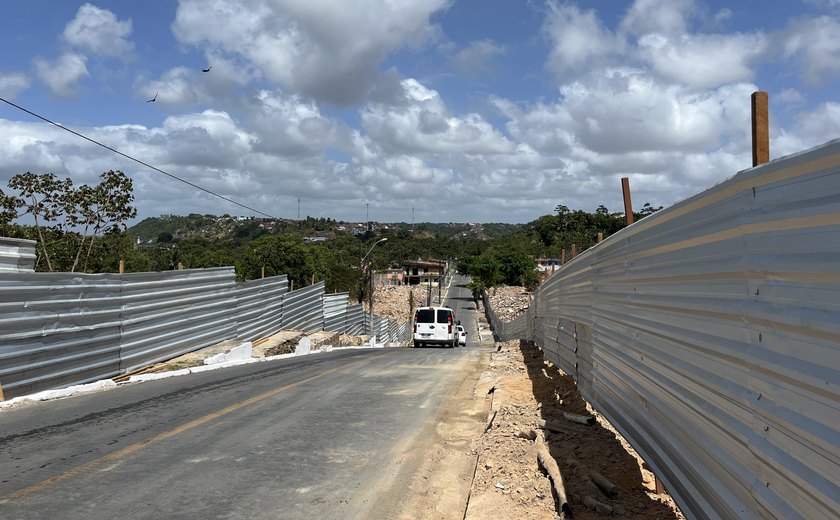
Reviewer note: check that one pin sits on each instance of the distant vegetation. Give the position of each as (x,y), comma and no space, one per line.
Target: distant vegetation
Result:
(82,228)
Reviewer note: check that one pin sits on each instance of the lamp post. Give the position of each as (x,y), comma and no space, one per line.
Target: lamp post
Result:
(370,295)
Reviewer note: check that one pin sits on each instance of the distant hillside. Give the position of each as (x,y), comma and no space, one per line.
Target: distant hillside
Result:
(173,228)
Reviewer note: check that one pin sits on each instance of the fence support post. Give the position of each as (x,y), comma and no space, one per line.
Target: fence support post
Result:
(1,392)
(760,128)
(628,205)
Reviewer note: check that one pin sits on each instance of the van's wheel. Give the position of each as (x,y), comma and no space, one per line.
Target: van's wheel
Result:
(416,344)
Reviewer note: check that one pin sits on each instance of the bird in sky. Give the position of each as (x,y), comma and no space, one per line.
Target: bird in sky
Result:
(153,99)
(207,69)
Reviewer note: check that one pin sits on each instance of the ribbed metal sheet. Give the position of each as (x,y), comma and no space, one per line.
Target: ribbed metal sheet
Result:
(57,329)
(303,309)
(335,312)
(17,254)
(709,335)
(170,313)
(259,307)
(355,320)
(380,326)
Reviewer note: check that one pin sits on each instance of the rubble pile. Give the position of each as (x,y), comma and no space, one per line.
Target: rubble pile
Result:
(509,301)
(392,301)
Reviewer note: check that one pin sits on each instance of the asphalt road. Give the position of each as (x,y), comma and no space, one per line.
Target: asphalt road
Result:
(332,435)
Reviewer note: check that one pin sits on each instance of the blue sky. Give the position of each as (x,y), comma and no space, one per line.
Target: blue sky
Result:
(467,111)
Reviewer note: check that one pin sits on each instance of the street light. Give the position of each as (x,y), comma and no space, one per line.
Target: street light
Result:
(370,296)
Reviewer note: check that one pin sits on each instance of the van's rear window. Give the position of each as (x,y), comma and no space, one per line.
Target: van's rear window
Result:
(443,316)
(425,315)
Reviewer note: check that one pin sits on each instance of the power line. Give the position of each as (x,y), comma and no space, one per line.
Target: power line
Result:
(147,165)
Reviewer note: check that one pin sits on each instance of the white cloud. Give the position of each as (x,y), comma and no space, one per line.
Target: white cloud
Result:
(288,126)
(424,124)
(62,75)
(12,84)
(815,43)
(476,59)
(657,17)
(100,32)
(703,61)
(326,49)
(578,39)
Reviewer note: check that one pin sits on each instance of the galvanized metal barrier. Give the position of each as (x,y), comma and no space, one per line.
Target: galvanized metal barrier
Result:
(17,254)
(303,309)
(335,311)
(259,307)
(355,319)
(57,330)
(174,312)
(709,335)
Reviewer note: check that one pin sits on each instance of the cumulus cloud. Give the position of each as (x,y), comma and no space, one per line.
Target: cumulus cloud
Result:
(326,49)
(99,31)
(63,74)
(289,126)
(703,61)
(815,44)
(12,84)
(422,123)
(578,39)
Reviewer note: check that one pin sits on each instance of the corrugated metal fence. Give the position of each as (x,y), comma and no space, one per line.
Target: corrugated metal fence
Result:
(709,335)
(60,329)
(335,311)
(17,254)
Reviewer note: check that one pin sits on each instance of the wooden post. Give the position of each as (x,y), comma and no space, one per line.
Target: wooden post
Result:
(574,250)
(262,271)
(760,128)
(600,237)
(628,206)
(562,258)
(180,266)
(122,266)
(313,280)
(291,285)
(1,393)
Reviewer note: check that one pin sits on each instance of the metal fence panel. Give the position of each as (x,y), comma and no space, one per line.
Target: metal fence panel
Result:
(57,329)
(17,254)
(303,309)
(335,312)
(708,334)
(259,307)
(167,314)
(355,320)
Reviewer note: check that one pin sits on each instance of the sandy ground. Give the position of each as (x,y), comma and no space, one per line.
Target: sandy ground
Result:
(508,482)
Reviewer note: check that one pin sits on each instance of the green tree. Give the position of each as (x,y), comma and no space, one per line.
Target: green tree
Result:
(516,267)
(42,197)
(100,209)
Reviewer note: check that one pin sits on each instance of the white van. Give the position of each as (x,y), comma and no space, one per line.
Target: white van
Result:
(435,326)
